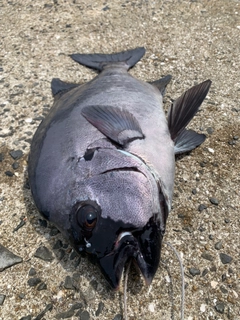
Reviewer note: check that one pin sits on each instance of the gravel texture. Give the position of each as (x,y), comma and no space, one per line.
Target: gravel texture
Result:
(191,40)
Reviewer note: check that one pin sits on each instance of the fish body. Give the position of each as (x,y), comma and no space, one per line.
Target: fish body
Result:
(101,164)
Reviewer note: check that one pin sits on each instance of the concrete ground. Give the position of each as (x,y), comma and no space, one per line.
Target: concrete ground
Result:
(191,40)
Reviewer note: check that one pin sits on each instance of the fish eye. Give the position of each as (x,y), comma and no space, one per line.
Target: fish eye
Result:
(87,217)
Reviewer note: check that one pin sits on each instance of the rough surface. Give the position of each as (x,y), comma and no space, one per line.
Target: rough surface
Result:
(191,40)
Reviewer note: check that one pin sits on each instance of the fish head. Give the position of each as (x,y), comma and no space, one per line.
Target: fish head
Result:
(119,222)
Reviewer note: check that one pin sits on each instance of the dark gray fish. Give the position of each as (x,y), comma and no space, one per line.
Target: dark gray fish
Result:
(101,165)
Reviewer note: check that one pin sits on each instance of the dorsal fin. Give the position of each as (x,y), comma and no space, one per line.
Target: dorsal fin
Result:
(98,61)
(58,86)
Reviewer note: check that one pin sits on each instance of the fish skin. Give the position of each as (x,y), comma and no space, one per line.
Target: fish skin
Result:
(125,189)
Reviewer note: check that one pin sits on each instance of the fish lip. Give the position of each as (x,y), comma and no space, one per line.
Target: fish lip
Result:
(133,247)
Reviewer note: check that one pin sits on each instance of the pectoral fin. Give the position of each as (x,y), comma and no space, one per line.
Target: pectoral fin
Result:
(118,125)
(181,113)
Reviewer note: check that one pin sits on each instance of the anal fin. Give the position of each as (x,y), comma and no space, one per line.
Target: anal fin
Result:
(117,124)
(162,83)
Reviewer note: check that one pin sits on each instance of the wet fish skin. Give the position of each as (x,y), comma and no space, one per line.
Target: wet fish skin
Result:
(101,164)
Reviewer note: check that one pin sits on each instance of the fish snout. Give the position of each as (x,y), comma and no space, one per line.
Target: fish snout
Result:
(143,248)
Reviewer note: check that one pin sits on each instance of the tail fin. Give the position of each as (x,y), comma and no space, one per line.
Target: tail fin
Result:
(98,61)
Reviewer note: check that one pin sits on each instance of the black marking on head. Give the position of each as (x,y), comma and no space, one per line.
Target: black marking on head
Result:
(89,153)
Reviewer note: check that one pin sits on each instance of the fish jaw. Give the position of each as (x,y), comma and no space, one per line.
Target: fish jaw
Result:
(142,246)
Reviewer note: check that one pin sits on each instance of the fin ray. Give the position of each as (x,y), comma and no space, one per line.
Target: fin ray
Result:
(119,125)
(185,107)
(188,140)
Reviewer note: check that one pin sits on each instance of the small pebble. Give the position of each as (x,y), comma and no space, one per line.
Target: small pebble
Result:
(194,272)
(100,308)
(42,286)
(41,314)
(220,307)
(194,191)
(22,295)
(73,255)
(76,280)
(213,268)
(210,150)
(15,165)
(84,315)
(223,289)
(214,201)
(207,256)
(214,284)
(16,154)
(44,254)
(28,120)
(202,207)
(33,282)
(226,220)
(106,8)
(58,245)
(65,314)
(38,118)
(203,308)
(20,225)
(218,245)
(7,258)
(118,317)
(60,254)
(68,283)
(77,262)
(54,232)
(210,130)
(1,157)
(211,237)
(29,317)
(9,173)
(201,229)
(2,298)
(224,277)
(32,272)
(230,270)
(225,258)
(205,271)
(188,229)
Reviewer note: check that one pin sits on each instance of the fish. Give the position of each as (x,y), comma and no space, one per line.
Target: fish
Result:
(102,163)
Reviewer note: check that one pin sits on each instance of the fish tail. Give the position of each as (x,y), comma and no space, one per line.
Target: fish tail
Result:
(99,61)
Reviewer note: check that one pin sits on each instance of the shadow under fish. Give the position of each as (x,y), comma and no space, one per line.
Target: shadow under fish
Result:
(101,165)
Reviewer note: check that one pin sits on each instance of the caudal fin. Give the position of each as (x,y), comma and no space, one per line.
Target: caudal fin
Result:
(98,60)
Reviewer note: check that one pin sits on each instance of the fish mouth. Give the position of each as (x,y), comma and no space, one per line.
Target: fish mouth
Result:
(141,246)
